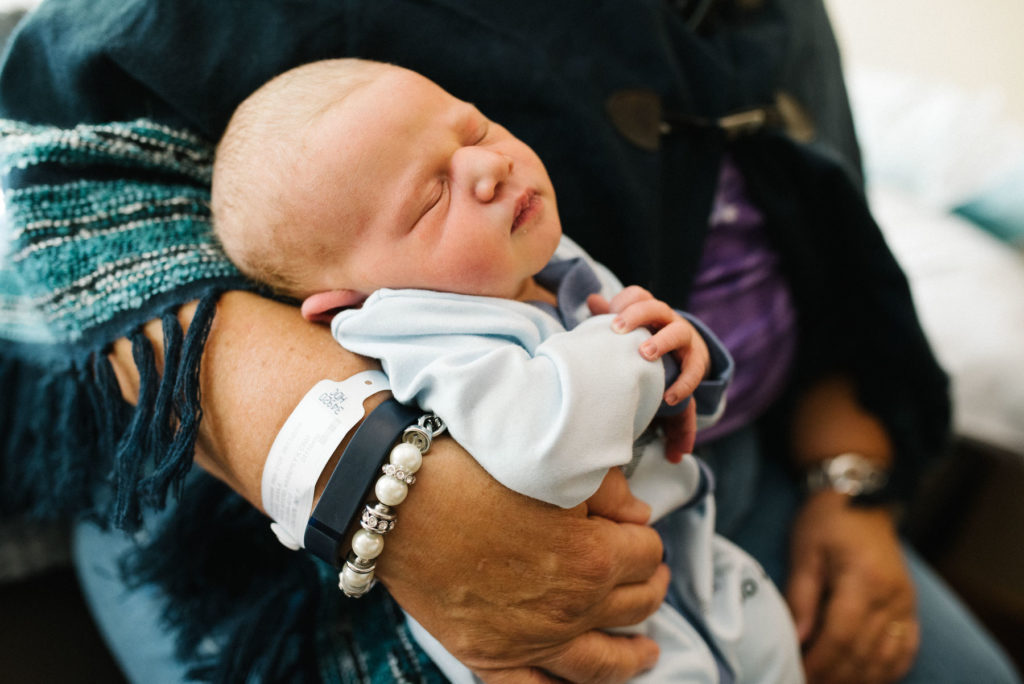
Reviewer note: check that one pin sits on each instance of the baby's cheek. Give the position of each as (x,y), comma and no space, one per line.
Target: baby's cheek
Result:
(468,271)
(483,275)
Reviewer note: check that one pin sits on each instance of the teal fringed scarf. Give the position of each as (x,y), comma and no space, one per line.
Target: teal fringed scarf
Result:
(92,253)
(86,262)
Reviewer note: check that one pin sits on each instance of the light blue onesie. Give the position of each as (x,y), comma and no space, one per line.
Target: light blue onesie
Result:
(547,401)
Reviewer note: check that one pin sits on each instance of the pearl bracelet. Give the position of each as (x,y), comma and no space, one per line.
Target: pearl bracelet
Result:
(357,575)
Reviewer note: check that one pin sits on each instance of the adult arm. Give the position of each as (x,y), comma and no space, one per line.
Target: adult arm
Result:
(553,577)
(849,589)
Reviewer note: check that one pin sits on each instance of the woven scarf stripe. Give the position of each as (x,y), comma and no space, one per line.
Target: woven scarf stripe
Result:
(87,252)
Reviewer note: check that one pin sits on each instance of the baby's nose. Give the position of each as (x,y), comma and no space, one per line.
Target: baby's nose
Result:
(487,170)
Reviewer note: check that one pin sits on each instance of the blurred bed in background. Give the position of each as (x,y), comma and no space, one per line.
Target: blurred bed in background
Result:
(938,97)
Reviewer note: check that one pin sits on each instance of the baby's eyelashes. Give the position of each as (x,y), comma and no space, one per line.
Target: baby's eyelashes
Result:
(441,185)
(483,134)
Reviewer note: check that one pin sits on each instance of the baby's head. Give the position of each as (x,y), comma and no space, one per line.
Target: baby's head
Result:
(255,196)
(344,176)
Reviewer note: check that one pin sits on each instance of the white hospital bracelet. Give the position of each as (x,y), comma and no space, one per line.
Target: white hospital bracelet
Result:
(304,445)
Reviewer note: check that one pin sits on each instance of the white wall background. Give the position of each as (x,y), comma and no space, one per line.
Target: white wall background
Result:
(937,88)
(6,5)
(975,44)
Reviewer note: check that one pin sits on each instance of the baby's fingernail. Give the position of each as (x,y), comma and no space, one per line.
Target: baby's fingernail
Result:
(618,325)
(671,399)
(648,350)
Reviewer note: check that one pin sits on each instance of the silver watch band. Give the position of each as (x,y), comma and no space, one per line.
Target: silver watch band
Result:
(847,473)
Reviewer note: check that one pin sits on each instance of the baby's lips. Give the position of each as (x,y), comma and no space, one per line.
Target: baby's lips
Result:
(523,209)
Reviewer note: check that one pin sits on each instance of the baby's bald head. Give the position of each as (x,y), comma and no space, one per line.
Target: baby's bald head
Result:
(256,208)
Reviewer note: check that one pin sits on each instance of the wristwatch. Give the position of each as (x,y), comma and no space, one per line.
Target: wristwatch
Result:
(847,473)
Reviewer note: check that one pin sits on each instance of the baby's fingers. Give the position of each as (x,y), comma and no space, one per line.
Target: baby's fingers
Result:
(680,433)
(675,335)
(649,313)
(686,343)
(694,369)
(598,304)
(629,296)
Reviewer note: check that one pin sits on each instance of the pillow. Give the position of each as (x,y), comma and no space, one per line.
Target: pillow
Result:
(999,209)
(940,143)
(969,291)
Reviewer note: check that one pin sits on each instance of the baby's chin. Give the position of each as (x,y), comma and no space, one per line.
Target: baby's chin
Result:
(553,238)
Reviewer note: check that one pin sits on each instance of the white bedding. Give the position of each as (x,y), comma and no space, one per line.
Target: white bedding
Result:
(969,290)
(928,148)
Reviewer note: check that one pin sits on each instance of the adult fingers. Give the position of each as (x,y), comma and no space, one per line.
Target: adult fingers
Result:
(614,500)
(632,552)
(870,648)
(890,638)
(546,577)
(867,636)
(599,658)
(830,657)
(804,591)
(849,589)
(892,653)
(900,643)
(630,604)
(515,675)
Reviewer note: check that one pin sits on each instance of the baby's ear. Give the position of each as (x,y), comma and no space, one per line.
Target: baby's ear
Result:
(321,307)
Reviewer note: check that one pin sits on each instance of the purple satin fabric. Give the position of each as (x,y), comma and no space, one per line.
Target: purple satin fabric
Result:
(741,294)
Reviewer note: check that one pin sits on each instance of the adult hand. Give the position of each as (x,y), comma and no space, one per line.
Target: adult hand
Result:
(850,593)
(518,589)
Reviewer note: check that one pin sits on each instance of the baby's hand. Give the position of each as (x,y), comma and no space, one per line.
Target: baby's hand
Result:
(680,433)
(636,307)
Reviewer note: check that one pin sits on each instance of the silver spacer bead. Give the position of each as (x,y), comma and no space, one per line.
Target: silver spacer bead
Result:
(378,518)
(363,566)
(399,473)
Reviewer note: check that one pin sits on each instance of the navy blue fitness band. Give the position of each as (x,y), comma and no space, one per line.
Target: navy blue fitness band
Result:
(360,462)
